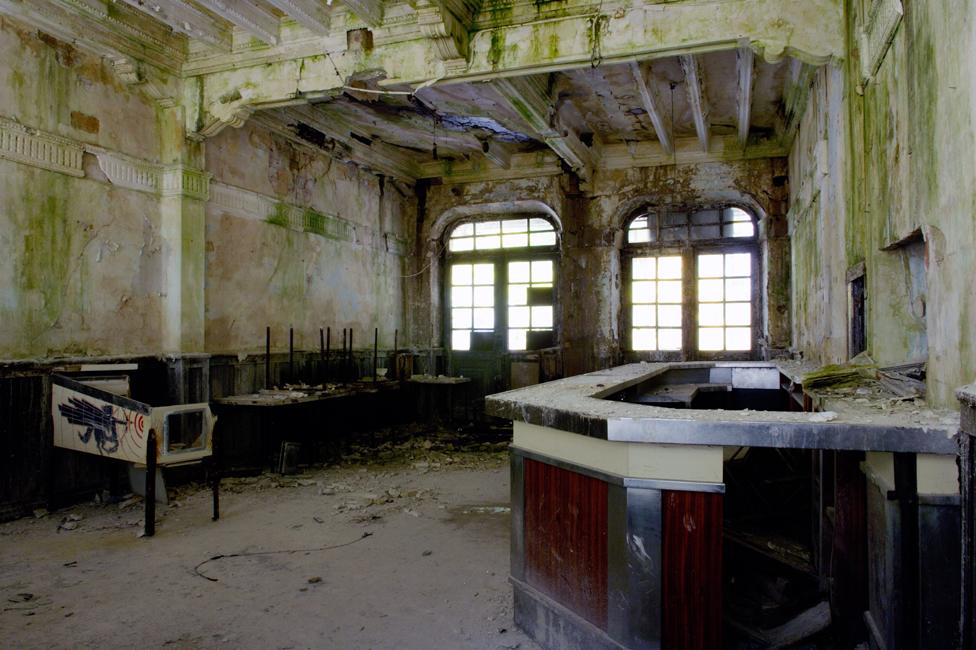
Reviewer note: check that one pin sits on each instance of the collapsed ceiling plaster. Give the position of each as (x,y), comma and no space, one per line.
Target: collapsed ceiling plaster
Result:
(414,87)
(602,104)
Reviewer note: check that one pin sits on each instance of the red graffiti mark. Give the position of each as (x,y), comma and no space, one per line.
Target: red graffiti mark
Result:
(140,423)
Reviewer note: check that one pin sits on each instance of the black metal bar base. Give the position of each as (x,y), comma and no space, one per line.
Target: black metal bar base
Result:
(553,626)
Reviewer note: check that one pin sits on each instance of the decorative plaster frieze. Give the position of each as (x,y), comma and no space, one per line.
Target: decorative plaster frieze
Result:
(178,180)
(141,176)
(246,204)
(126,171)
(878,31)
(395,244)
(26,145)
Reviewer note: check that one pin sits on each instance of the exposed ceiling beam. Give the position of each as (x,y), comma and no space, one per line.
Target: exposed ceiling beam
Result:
(185,19)
(376,154)
(312,14)
(530,98)
(745,66)
(248,16)
(652,107)
(796,92)
(369,11)
(696,96)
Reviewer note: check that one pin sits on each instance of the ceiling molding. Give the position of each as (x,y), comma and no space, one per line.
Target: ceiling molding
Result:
(311,14)
(185,19)
(368,11)
(745,75)
(686,151)
(89,26)
(248,16)
(523,165)
(531,99)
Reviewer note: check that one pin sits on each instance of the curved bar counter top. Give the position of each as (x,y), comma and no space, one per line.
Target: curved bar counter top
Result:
(617,500)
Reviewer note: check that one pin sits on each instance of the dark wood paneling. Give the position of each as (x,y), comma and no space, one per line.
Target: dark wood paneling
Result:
(849,554)
(692,567)
(566,539)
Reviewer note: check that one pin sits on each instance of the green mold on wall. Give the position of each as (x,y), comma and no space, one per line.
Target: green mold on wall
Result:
(44,268)
(280,215)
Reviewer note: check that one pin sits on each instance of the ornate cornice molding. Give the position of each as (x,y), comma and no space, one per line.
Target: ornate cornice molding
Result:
(30,146)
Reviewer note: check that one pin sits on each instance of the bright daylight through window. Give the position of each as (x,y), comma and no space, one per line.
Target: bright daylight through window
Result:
(512,254)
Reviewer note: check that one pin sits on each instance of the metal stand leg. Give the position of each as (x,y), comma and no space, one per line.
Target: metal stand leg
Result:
(149,526)
(216,496)
(215,477)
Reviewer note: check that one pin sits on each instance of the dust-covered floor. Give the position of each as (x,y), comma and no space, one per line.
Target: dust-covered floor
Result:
(405,547)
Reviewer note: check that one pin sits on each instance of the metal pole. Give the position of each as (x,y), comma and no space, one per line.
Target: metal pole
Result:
(149,523)
(396,364)
(328,351)
(267,357)
(376,340)
(349,361)
(321,351)
(291,354)
(215,479)
(342,357)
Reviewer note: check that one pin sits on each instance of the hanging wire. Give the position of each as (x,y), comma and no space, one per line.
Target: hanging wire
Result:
(428,264)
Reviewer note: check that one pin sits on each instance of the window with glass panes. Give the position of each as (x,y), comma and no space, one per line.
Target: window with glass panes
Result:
(724,301)
(472,302)
(691,284)
(516,256)
(656,303)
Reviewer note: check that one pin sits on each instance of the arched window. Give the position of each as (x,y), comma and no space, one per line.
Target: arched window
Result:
(501,278)
(691,288)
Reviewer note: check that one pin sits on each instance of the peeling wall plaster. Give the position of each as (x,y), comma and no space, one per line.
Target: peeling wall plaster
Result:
(870,169)
(262,273)
(82,260)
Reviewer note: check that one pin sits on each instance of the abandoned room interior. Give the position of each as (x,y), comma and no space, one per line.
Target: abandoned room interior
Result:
(488,323)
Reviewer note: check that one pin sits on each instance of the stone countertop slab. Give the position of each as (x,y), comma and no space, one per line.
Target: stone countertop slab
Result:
(576,404)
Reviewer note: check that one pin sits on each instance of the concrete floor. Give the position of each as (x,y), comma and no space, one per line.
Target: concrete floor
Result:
(430,574)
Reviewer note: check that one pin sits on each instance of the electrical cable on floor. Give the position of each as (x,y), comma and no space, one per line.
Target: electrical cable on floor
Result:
(197,571)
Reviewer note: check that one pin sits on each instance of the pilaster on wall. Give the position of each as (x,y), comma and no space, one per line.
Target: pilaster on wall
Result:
(775,244)
(182,212)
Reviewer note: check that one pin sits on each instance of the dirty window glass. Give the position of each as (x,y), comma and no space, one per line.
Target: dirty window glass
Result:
(675,226)
(508,233)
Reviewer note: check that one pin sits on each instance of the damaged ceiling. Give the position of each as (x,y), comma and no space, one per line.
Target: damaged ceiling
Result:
(613,104)
(724,103)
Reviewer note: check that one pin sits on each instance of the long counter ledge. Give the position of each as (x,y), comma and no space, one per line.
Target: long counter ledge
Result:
(578,405)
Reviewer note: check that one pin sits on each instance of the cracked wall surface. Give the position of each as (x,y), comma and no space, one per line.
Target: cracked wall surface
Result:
(880,162)
(323,248)
(82,260)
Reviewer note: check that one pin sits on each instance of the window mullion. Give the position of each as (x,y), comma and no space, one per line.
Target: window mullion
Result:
(501,303)
(689,317)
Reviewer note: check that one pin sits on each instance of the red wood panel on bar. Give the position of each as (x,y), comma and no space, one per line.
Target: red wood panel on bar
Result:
(566,538)
(692,566)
